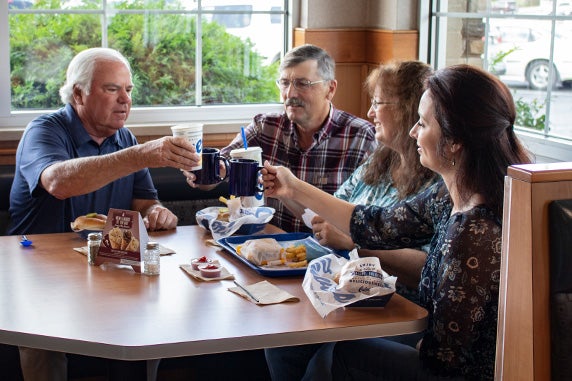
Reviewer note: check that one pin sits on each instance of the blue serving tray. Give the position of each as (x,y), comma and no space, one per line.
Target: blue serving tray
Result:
(313,251)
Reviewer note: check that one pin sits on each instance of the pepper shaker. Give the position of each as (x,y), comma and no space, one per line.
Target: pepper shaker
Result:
(93,243)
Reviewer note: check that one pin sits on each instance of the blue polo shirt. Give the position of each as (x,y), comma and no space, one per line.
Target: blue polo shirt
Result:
(61,136)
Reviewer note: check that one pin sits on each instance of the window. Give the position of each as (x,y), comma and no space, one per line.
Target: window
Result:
(527,45)
(191,59)
(230,20)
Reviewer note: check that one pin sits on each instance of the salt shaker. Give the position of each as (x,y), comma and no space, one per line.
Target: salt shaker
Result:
(93,243)
(152,259)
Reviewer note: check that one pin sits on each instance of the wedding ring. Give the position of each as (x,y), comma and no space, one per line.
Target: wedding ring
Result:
(318,235)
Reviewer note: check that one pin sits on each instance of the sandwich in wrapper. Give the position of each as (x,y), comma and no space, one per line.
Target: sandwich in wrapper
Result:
(332,282)
(261,251)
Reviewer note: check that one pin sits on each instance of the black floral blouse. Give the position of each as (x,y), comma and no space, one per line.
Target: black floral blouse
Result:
(459,282)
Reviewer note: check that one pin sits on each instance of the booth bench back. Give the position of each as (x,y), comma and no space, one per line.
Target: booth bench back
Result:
(524,329)
(174,193)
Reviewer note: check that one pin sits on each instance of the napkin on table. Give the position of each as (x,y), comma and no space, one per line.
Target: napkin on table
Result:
(265,292)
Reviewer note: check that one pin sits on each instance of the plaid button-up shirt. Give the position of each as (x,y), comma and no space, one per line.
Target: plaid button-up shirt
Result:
(339,147)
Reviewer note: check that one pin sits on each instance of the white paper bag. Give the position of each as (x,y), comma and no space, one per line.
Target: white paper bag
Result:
(359,279)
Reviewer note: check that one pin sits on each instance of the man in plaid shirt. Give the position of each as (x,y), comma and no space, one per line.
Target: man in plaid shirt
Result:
(319,143)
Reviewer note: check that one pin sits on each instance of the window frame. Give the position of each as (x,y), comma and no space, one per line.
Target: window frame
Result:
(217,118)
(432,33)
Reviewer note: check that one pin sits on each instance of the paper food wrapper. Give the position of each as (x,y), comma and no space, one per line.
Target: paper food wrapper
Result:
(359,279)
(207,218)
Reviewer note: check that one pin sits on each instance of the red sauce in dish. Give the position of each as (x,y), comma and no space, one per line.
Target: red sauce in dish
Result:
(210,271)
(195,263)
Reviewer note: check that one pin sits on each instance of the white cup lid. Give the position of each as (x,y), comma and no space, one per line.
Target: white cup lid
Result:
(188,126)
(238,151)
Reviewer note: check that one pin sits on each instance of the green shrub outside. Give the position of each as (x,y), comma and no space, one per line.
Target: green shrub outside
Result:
(160,48)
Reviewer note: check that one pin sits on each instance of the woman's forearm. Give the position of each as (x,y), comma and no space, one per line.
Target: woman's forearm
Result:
(335,211)
(405,264)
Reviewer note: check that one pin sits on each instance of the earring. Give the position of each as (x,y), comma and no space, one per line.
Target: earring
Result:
(453,149)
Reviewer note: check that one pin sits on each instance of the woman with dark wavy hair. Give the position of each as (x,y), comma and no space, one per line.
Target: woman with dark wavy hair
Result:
(464,133)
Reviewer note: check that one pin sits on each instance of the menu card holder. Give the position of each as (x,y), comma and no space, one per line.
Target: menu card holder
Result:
(124,237)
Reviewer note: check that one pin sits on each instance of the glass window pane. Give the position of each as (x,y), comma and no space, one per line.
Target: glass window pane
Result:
(241,43)
(161,51)
(463,6)
(41,46)
(514,42)
(522,48)
(504,7)
(561,97)
(233,70)
(252,21)
(252,49)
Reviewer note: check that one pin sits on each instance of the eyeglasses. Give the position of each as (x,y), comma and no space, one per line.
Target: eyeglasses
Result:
(375,104)
(299,84)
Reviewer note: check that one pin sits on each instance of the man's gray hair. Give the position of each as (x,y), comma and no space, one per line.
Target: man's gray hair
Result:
(81,68)
(297,55)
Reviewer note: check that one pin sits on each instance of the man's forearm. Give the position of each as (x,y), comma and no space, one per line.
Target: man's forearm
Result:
(84,175)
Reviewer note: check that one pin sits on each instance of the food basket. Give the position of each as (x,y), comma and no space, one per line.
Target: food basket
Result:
(251,220)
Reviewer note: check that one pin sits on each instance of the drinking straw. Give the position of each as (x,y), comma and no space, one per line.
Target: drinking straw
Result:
(244,138)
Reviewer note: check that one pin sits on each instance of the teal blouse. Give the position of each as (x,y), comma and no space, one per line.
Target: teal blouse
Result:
(384,194)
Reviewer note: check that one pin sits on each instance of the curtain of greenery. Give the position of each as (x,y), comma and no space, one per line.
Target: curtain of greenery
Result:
(160,48)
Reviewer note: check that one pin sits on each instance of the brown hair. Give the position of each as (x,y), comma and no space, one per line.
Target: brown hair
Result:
(475,109)
(404,83)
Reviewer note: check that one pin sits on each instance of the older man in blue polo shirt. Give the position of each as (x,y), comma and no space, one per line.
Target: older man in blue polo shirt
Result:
(80,159)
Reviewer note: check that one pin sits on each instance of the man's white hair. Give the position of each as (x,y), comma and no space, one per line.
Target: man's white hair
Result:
(81,68)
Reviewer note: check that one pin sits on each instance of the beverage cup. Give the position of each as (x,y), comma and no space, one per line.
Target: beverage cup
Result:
(210,172)
(253,153)
(194,134)
(243,179)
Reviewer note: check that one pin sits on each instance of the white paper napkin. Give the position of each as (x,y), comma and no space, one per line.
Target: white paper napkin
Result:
(307,217)
(265,293)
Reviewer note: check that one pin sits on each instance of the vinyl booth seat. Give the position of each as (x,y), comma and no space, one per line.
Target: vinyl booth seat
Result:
(560,217)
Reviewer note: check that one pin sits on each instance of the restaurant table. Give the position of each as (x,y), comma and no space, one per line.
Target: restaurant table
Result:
(50,298)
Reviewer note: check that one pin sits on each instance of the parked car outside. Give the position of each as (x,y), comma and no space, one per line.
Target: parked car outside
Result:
(564,9)
(509,7)
(525,52)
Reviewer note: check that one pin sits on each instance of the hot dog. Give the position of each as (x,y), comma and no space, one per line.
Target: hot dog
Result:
(91,221)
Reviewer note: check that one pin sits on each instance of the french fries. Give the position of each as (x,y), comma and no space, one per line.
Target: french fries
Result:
(294,265)
(295,253)
(295,256)
(224,200)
